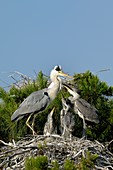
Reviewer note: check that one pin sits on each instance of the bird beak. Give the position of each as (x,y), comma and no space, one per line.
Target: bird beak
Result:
(61,73)
(52,111)
(72,92)
(69,89)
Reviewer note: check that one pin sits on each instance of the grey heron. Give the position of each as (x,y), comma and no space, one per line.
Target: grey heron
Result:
(67,118)
(50,127)
(39,100)
(81,107)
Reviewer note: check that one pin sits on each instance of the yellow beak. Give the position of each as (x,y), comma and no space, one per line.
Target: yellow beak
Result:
(61,73)
(69,89)
(53,109)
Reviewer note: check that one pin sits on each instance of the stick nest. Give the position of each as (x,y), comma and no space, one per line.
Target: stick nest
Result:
(55,147)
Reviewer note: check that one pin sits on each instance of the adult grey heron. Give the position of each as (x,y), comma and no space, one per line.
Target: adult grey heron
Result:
(67,118)
(39,100)
(81,107)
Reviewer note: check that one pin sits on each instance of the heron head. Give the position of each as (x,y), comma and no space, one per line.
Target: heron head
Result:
(72,91)
(58,68)
(57,71)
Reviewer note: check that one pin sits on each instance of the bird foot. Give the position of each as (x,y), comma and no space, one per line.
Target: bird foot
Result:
(34,133)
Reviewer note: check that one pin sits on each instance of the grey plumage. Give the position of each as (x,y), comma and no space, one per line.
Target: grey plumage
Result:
(67,118)
(35,102)
(50,126)
(39,100)
(89,112)
(81,107)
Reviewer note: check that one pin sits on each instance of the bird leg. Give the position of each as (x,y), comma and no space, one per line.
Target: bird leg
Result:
(27,123)
(84,128)
(64,130)
(33,122)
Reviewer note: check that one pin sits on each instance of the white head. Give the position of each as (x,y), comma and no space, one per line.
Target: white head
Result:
(57,71)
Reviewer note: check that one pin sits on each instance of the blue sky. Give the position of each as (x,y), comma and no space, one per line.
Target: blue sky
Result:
(36,35)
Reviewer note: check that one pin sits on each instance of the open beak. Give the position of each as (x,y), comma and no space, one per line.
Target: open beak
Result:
(72,92)
(61,73)
(69,89)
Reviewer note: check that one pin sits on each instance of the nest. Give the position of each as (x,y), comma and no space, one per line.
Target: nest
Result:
(55,147)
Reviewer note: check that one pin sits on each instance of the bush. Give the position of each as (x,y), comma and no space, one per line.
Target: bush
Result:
(36,163)
(69,165)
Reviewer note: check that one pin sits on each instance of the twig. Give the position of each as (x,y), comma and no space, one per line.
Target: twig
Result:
(55,147)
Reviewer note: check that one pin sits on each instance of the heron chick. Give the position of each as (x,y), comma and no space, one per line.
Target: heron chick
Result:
(81,107)
(37,101)
(50,127)
(67,118)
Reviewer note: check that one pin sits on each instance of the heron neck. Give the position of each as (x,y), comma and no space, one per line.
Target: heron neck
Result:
(54,88)
(76,96)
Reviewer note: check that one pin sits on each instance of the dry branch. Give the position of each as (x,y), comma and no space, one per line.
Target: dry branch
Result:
(12,156)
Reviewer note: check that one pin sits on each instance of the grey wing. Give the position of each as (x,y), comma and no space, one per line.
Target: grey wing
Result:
(89,112)
(35,102)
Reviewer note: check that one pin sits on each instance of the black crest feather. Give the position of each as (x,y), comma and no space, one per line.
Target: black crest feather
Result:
(57,68)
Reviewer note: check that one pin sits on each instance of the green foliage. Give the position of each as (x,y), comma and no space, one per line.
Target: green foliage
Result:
(41,81)
(7,106)
(93,90)
(41,163)
(9,103)
(69,165)
(99,94)
(55,166)
(37,163)
(87,163)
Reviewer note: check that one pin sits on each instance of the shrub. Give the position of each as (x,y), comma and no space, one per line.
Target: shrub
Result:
(36,163)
